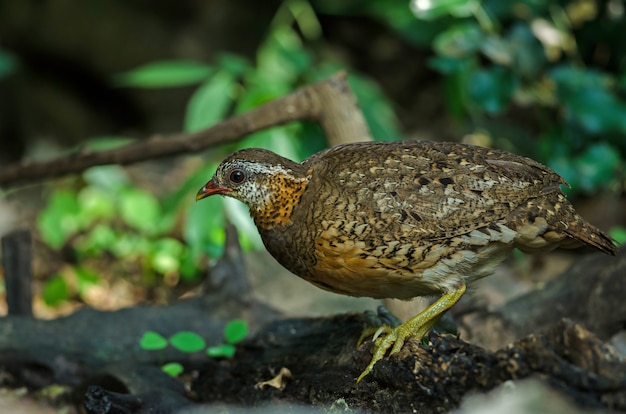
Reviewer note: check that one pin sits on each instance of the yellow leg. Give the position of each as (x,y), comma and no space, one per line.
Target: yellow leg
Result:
(415,327)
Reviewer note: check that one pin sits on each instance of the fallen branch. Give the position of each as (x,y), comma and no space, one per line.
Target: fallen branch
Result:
(329,102)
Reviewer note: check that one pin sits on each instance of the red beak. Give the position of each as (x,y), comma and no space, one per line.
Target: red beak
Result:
(211,188)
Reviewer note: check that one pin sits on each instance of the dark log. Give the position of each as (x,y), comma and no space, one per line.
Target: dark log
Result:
(324,363)
(18,273)
(590,292)
(70,349)
(94,348)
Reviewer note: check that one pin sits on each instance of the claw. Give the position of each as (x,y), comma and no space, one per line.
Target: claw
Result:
(395,337)
(416,328)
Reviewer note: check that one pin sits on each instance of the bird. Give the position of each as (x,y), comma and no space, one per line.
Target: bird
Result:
(402,219)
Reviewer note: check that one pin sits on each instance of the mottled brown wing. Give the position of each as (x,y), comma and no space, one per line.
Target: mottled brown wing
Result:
(438,190)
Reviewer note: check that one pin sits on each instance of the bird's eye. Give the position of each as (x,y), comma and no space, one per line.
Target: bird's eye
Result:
(237,176)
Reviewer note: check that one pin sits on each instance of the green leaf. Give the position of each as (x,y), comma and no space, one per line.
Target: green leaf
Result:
(164,74)
(127,245)
(429,9)
(94,203)
(141,210)
(256,95)
(460,40)
(528,55)
(221,351)
(55,291)
(596,167)
(85,279)
(173,369)
(166,255)
(100,239)
(492,88)
(210,103)
(449,65)
(396,14)
(186,341)
(111,178)
(377,110)
(204,227)
(190,267)
(236,65)
(59,219)
(235,331)
(619,234)
(589,100)
(8,63)
(152,341)
(281,59)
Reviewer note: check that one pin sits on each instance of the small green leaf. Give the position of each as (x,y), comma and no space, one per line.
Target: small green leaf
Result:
(221,351)
(111,178)
(210,102)
(597,167)
(164,74)
(186,341)
(428,10)
(128,245)
(460,40)
(152,341)
(59,219)
(166,255)
(281,59)
(85,278)
(101,238)
(140,210)
(235,331)
(94,203)
(528,55)
(492,88)
(173,369)
(377,110)
(55,291)
(204,227)
(449,65)
(8,63)
(619,234)
(233,63)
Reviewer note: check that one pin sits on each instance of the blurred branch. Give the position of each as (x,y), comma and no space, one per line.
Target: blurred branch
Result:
(329,102)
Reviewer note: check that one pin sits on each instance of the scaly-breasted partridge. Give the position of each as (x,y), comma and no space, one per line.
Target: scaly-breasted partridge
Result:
(402,219)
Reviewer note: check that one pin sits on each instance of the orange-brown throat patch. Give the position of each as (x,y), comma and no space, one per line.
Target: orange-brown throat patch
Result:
(285,192)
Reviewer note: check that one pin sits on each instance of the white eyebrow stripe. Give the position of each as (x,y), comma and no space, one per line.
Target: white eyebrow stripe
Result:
(257,167)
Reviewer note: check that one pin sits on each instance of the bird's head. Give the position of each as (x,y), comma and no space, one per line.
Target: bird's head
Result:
(269,184)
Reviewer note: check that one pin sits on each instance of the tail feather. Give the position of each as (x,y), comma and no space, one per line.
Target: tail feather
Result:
(577,228)
(593,236)
(551,221)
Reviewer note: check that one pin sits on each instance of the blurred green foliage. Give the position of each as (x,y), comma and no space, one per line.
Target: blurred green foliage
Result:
(541,78)
(110,218)
(8,63)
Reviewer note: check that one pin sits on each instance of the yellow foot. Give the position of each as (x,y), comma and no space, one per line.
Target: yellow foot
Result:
(415,327)
(394,337)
